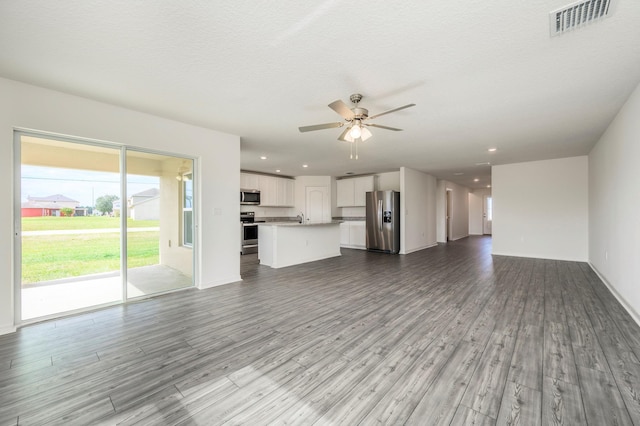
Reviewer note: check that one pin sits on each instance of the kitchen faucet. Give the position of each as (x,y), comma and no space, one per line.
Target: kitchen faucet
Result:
(300,218)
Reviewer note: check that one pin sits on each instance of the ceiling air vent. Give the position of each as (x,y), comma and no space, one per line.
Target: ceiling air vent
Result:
(579,14)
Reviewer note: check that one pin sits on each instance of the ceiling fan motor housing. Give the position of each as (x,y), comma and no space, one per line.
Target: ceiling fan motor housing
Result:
(360,113)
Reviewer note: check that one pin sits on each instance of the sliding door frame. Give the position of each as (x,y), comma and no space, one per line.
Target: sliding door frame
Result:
(16,254)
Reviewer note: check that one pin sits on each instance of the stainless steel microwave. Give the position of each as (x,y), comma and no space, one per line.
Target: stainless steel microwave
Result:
(250,197)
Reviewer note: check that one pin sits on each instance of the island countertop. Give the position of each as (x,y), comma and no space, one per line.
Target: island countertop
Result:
(292,223)
(283,244)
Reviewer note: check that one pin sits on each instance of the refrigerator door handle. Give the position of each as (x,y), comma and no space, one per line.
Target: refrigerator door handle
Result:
(380,214)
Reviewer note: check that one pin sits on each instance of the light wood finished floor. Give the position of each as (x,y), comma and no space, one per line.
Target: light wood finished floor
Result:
(449,335)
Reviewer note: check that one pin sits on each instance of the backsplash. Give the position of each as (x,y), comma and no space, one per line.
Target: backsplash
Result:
(270,212)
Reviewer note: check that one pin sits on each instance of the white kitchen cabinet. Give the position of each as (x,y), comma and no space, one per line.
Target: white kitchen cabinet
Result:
(274,191)
(285,192)
(362,185)
(344,193)
(268,191)
(357,234)
(352,192)
(345,230)
(353,234)
(249,181)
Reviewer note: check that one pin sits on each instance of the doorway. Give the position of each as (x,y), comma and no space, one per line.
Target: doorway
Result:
(94,223)
(448,213)
(487,214)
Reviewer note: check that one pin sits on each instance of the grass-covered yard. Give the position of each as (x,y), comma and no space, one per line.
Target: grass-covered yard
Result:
(52,223)
(49,257)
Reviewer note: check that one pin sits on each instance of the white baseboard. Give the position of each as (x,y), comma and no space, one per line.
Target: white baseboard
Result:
(233,279)
(7,330)
(617,295)
(531,256)
(419,248)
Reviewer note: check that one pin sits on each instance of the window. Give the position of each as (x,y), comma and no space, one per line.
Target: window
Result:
(187,209)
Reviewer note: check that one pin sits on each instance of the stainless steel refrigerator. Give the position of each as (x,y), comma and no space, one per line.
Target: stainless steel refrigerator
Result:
(383,221)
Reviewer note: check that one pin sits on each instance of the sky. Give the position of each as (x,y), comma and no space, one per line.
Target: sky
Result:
(83,186)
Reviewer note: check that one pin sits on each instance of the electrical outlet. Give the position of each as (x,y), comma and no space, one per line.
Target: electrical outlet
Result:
(169,243)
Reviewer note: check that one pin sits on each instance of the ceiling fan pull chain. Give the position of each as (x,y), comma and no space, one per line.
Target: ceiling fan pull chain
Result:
(357,148)
(351,148)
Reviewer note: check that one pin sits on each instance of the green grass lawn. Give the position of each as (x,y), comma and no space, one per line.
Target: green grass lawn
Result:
(50,257)
(51,223)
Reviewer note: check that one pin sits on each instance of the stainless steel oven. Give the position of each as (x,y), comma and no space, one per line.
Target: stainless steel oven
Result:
(248,233)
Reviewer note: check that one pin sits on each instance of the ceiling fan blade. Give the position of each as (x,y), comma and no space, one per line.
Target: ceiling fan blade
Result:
(383,127)
(342,109)
(391,110)
(320,126)
(343,135)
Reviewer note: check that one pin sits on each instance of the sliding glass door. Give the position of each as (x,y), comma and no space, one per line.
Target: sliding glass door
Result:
(98,224)
(159,236)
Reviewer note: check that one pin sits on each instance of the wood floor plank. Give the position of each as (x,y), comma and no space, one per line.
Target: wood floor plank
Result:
(486,386)
(562,403)
(596,387)
(527,360)
(558,360)
(520,406)
(465,416)
(271,408)
(447,335)
(440,402)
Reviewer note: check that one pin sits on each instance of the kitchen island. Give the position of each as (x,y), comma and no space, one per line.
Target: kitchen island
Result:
(283,244)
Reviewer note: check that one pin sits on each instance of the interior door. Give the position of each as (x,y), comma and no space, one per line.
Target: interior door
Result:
(316,204)
(487,215)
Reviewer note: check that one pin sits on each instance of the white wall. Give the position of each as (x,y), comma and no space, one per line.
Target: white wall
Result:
(614,205)
(29,107)
(389,181)
(417,210)
(476,210)
(540,209)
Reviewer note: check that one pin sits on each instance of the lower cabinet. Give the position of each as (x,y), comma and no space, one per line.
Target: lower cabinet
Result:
(353,234)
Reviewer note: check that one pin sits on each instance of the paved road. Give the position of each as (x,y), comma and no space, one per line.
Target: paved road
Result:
(86,231)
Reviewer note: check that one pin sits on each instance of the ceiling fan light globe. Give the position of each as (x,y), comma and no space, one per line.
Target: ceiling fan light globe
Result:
(366,134)
(356,131)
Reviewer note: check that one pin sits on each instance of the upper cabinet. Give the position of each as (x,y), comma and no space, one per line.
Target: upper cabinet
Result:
(249,181)
(352,192)
(285,192)
(274,191)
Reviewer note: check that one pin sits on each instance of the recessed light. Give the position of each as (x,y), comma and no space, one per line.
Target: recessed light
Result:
(278,171)
(458,174)
(305,165)
(476,180)
(488,186)
(492,149)
(486,163)
(263,158)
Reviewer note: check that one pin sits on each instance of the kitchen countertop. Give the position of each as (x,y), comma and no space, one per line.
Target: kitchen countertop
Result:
(291,223)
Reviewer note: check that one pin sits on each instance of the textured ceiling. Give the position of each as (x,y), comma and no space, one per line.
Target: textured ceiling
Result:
(483,74)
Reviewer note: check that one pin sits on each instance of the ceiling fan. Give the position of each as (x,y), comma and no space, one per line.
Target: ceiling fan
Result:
(356,119)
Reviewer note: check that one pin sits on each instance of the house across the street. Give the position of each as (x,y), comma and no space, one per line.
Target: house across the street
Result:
(50,206)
